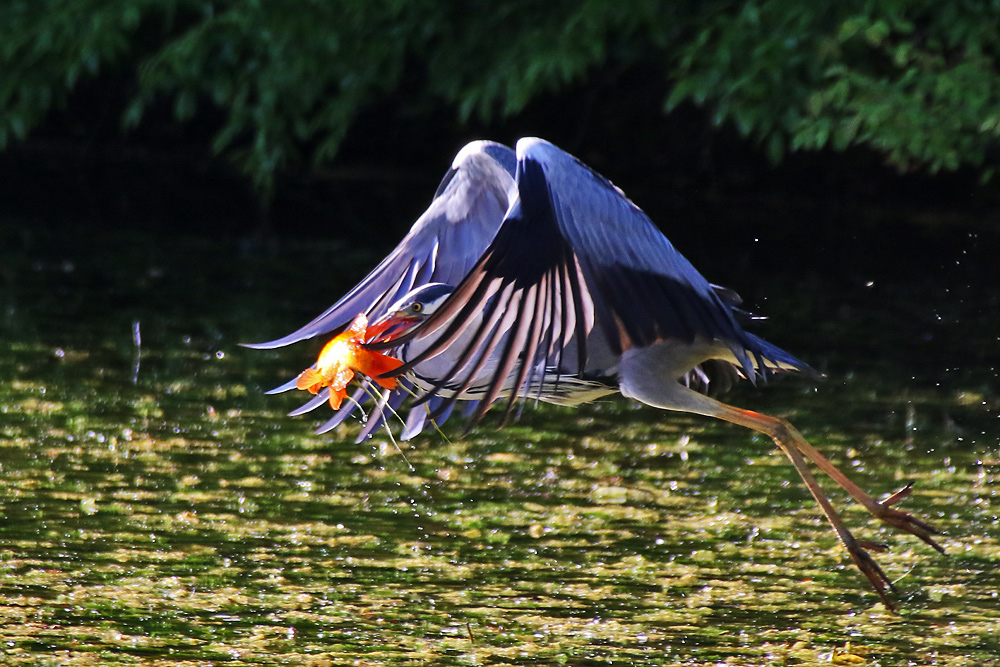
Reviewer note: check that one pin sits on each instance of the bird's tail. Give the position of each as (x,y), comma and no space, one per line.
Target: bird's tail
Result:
(771,358)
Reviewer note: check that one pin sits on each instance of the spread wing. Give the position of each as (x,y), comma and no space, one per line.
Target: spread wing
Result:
(442,246)
(576,275)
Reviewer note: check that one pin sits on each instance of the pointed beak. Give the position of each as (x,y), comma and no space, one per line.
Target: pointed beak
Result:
(388,327)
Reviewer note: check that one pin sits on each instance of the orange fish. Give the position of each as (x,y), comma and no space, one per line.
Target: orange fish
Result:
(342,357)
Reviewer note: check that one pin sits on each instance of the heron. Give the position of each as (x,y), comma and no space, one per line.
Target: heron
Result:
(568,294)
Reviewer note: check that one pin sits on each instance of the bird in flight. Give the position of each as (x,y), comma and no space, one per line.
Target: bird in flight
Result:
(531,276)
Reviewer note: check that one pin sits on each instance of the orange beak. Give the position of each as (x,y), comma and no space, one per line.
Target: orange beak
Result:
(388,327)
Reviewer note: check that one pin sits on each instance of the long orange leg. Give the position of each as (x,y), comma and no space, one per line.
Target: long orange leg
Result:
(791,442)
(781,431)
(880,509)
(642,382)
(785,437)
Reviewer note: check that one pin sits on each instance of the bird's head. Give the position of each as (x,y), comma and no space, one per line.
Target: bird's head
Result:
(416,306)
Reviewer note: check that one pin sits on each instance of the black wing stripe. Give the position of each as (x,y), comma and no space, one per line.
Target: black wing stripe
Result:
(482,343)
(580,323)
(526,341)
(572,254)
(508,357)
(498,309)
(547,298)
(467,298)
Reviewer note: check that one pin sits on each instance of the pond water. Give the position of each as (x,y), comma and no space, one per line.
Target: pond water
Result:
(156,508)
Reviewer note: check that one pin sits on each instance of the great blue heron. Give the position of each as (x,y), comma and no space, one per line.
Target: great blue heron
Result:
(543,280)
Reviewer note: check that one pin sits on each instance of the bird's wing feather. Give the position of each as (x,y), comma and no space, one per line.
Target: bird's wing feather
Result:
(573,256)
(650,291)
(442,246)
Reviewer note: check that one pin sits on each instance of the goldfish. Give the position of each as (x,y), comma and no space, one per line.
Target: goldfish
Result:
(344,356)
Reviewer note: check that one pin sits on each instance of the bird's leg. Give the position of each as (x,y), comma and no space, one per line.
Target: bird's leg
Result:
(779,428)
(638,383)
(883,509)
(787,439)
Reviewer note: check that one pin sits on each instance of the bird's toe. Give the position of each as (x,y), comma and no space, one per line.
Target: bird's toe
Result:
(905,521)
(875,575)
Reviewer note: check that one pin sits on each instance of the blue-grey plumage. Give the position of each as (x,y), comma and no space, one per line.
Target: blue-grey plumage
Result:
(471,381)
(563,290)
(579,279)
(443,244)
(578,284)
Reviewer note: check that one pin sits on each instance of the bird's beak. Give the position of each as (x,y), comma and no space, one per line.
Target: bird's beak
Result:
(388,327)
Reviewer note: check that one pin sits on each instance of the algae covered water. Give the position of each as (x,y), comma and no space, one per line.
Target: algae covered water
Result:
(157,509)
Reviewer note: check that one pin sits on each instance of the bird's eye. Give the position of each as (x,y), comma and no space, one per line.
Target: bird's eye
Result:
(417,307)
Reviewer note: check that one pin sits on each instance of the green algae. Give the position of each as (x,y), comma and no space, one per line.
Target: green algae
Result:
(176,516)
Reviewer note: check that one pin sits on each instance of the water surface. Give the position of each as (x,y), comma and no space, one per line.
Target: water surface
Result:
(166,512)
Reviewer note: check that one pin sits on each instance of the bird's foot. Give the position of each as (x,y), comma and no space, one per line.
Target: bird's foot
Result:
(904,520)
(858,549)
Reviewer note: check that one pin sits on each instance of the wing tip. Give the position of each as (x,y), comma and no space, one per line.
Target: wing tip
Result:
(267,345)
(493,149)
(534,148)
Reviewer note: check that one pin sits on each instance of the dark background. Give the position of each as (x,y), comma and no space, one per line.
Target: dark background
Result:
(710,190)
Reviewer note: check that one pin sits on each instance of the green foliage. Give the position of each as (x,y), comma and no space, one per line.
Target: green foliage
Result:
(46,48)
(490,57)
(288,73)
(914,79)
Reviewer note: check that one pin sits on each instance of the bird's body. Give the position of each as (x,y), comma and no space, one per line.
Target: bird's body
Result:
(578,283)
(567,294)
